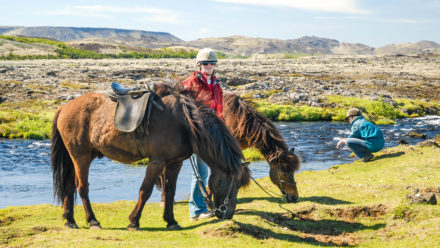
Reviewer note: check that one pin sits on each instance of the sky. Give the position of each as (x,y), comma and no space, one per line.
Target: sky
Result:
(374,23)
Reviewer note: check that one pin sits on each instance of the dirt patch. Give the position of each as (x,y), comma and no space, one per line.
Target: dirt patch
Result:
(349,214)
(429,195)
(110,238)
(7,220)
(231,229)
(345,239)
(226,230)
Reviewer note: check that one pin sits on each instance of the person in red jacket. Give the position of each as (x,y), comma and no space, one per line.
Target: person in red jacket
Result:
(204,87)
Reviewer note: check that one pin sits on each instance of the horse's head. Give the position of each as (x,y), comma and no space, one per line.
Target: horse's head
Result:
(283,164)
(224,188)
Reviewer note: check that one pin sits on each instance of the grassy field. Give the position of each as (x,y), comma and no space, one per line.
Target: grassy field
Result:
(359,204)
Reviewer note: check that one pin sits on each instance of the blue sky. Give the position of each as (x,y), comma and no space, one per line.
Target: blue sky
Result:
(371,22)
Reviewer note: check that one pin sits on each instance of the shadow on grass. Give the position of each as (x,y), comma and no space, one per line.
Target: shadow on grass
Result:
(258,232)
(324,200)
(337,232)
(318,199)
(388,155)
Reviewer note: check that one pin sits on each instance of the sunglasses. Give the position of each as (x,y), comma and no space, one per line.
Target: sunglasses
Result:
(208,62)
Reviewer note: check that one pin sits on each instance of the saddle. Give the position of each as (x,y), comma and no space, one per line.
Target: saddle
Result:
(133,105)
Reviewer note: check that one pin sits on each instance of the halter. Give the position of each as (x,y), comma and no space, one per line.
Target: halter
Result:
(223,208)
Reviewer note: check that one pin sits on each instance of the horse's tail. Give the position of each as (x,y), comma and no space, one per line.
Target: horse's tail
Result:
(211,140)
(62,165)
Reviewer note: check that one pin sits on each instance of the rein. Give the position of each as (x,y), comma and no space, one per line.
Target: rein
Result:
(268,192)
(224,206)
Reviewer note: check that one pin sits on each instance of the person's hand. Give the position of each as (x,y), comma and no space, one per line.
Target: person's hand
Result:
(340,143)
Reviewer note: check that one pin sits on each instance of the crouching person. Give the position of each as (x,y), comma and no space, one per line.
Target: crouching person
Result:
(365,137)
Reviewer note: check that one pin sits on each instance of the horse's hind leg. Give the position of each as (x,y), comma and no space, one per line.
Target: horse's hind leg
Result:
(154,168)
(170,178)
(68,201)
(82,165)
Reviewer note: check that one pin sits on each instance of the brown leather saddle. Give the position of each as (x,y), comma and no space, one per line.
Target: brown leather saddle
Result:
(134,105)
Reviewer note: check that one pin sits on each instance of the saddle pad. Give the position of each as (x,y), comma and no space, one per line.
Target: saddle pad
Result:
(130,112)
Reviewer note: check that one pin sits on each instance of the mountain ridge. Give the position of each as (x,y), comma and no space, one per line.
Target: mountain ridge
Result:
(235,45)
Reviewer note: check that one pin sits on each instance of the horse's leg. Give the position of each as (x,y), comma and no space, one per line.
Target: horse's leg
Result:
(162,187)
(68,201)
(171,173)
(154,169)
(82,165)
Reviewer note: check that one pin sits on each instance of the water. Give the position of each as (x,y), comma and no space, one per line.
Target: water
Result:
(26,178)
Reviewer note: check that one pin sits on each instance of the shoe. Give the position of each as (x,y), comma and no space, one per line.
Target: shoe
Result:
(368,157)
(202,216)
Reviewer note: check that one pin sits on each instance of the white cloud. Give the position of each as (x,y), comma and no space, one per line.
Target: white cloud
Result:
(341,6)
(386,20)
(108,11)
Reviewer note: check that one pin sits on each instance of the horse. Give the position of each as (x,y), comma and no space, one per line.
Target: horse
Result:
(251,129)
(83,130)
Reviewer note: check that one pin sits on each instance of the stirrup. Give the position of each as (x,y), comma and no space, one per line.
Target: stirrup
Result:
(119,89)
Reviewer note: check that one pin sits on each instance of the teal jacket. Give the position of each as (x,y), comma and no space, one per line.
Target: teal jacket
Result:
(365,130)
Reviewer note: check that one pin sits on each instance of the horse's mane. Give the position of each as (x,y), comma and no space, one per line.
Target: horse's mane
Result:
(254,128)
(220,147)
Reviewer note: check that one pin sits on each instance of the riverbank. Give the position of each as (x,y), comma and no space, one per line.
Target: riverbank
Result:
(303,89)
(359,204)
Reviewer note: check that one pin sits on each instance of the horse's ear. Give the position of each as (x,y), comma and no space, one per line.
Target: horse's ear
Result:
(292,150)
(245,163)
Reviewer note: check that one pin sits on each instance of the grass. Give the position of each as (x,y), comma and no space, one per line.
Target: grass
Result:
(359,204)
(31,119)
(66,52)
(377,111)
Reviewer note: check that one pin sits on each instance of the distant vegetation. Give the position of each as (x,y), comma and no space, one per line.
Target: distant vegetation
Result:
(66,52)
(377,111)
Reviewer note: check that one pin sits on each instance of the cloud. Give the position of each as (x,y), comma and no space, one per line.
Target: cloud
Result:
(385,20)
(108,11)
(341,6)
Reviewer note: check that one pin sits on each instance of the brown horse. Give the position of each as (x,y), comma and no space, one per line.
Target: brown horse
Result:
(251,129)
(83,129)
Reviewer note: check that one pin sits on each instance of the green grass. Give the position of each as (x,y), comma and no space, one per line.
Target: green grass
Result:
(66,52)
(359,204)
(252,154)
(31,119)
(377,111)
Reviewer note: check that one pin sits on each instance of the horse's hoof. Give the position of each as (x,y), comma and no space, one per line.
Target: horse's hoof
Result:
(94,224)
(133,227)
(71,225)
(175,227)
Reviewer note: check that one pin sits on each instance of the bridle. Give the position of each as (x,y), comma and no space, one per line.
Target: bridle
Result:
(223,208)
(282,182)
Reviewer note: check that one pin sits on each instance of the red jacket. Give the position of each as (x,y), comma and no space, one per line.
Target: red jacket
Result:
(211,95)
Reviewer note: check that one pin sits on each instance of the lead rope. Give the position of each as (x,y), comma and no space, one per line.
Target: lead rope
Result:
(200,183)
(275,198)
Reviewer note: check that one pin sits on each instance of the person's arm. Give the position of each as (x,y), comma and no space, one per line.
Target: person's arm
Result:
(341,143)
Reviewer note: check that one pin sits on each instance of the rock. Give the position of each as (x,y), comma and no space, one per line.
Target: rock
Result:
(428,143)
(403,142)
(417,135)
(423,197)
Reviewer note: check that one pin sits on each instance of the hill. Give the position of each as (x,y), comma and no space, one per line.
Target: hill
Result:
(247,46)
(421,47)
(119,36)
(116,41)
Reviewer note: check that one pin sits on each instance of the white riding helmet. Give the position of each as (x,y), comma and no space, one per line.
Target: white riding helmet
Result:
(206,55)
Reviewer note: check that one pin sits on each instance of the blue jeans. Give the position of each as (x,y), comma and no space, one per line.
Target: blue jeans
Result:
(358,146)
(197,204)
